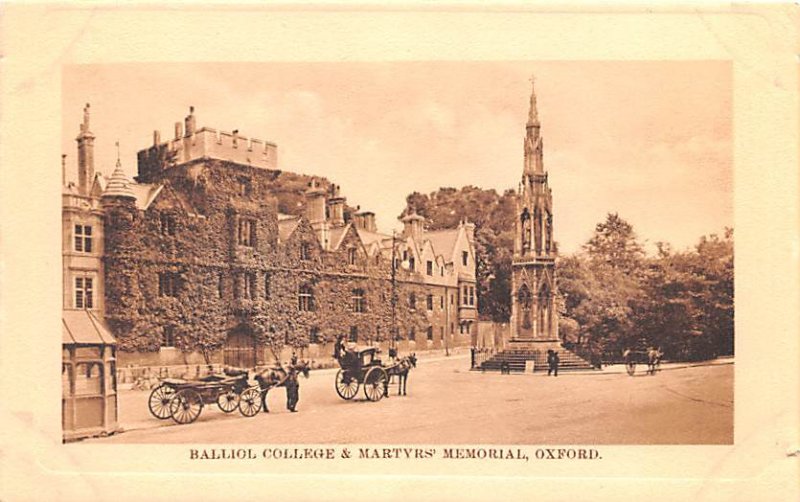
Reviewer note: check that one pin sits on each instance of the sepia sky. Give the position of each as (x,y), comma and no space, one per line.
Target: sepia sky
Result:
(649,140)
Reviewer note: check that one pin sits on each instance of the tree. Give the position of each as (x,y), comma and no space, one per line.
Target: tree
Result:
(614,243)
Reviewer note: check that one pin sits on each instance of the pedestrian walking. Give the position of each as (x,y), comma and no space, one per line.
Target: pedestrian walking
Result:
(556,360)
(549,362)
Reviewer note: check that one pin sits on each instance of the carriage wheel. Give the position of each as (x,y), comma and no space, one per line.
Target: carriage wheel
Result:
(375,384)
(159,401)
(630,368)
(346,385)
(228,401)
(250,402)
(186,406)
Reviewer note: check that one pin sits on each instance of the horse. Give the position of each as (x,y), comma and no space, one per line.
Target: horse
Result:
(653,361)
(276,376)
(400,370)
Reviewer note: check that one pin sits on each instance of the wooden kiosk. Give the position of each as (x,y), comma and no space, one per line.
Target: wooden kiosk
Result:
(88,377)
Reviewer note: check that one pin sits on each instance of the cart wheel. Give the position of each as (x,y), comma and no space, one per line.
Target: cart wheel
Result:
(186,406)
(228,401)
(159,401)
(250,402)
(375,384)
(630,368)
(346,385)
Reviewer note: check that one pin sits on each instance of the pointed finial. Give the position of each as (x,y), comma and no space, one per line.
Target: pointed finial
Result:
(119,164)
(533,113)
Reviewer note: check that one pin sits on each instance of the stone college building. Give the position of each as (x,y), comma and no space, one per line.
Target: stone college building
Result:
(193,263)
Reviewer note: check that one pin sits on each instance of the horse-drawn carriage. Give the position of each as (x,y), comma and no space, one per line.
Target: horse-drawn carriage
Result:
(364,367)
(650,357)
(183,400)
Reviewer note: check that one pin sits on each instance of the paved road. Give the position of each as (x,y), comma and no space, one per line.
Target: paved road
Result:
(449,404)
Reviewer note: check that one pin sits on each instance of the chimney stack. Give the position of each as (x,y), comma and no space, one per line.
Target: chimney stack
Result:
(190,122)
(315,203)
(336,206)
(85,154)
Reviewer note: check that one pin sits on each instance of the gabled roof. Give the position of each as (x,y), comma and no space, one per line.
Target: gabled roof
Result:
(337,236)
(145,194)
(368,238)
(287,224)
(443,242)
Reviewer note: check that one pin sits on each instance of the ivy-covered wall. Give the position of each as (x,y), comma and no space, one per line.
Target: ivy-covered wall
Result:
(190,234)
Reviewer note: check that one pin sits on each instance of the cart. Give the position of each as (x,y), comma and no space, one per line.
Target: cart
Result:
(183,400)
(361,367)
(651,359)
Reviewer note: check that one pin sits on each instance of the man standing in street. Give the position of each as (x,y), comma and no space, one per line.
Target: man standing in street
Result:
(554,363)
(292,389)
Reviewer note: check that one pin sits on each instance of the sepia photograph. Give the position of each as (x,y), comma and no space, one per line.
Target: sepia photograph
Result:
(428,240)
(437,251)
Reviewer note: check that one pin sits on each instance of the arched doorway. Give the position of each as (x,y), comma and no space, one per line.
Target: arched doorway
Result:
(240,348)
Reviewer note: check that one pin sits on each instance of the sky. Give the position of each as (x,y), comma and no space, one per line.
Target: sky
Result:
(651,141)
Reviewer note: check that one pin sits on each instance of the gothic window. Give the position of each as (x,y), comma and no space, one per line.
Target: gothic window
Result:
(167,224)
(465,295)
(305,298)
(247,232)
(412,301)
(168,336)
(429,302)
(411,264)
(83,238)
(84,293)
(359,302)
(430,267)
(544,307)
(353,334)
(465,258)
(471,295)
(430,333)
(168,284)
(313,335)
(305,251)
(351,256)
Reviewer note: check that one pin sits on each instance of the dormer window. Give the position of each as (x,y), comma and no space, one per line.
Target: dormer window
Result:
(351,256)
(465,258)
(429,267)
(305,251)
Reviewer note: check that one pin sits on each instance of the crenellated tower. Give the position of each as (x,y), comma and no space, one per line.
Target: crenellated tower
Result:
(533,314)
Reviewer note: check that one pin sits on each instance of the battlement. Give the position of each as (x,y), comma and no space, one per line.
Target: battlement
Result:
(204,143)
